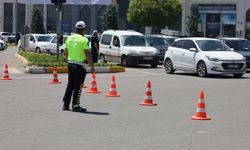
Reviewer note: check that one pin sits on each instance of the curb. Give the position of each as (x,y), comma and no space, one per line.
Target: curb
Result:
(43,70)
(22,59)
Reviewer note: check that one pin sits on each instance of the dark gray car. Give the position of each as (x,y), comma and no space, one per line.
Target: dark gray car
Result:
(158,43)
(239,45)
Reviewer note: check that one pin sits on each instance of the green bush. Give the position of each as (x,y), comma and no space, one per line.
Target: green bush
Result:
(44,60)
(47,60)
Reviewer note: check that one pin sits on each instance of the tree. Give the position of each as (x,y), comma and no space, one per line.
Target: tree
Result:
(193,21)
(110,18)
(37,25)
(155,13)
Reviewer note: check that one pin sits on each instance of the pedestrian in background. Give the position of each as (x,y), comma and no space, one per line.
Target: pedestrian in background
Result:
(94,46)
(77,53)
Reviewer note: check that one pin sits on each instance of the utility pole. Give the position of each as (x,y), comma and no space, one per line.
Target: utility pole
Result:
(58,4)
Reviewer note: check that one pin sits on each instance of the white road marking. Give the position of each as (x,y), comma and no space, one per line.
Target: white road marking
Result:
(14,70)
(201,132)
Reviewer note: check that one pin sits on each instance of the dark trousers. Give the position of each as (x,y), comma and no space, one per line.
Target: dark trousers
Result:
(76,77)
(94,55)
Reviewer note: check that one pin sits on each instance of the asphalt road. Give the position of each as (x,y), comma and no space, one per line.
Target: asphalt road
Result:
(31,115)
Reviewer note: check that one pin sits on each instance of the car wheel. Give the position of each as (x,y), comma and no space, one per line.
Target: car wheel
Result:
(38,50)
(238,75)
(168,65)
(202,69)
(124,61)
(102,59)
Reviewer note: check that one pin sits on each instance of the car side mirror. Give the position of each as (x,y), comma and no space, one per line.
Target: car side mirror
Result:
(193,50)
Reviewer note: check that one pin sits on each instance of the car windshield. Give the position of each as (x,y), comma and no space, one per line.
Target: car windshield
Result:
(170,40)
(133,40)
(43,38)
(155,41)
(239,44)
(212,45)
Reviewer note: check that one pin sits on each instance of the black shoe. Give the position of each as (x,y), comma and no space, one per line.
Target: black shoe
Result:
(78,109)
(66,108)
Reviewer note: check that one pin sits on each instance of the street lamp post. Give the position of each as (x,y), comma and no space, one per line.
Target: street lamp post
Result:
(58,4)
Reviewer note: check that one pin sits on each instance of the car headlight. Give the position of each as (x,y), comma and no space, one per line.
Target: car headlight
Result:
(213,59)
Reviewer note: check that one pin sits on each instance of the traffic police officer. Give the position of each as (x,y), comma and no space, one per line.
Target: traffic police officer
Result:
(77,53)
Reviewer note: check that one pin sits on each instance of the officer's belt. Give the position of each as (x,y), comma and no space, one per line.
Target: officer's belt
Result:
(77,63)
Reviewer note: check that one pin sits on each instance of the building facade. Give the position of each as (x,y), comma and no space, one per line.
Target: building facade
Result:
(14,16)
(220,18)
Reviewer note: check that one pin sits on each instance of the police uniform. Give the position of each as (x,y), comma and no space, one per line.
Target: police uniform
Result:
(75,44)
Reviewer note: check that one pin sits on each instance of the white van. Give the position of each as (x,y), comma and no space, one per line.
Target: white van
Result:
(128,48)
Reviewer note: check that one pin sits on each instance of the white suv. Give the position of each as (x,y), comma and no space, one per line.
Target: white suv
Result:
(127,48)
(203,56)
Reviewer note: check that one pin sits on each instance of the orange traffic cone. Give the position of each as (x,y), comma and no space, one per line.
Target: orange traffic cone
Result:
(55,78)
(148,101)
(6,73)
(201,111)
(93,89)
(112,89)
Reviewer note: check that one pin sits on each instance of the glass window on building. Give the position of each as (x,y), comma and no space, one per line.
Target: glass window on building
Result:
(51,19)
(20,17)
(213,25)
(8,17)
(219,19)
(228,24)
(248,24)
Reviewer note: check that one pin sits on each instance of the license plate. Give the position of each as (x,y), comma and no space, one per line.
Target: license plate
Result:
(233,66)
(148,58)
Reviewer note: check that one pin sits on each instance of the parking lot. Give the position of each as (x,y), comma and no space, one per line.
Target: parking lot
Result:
(31,115)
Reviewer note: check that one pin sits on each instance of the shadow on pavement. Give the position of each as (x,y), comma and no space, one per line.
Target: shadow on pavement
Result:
(94,113)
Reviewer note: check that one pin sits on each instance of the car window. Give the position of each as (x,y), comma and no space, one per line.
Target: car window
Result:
(179,44)
(54,40)
(106,39)
(189,44)
(239,44)
(133,40)
(31,38)
(170,40)
(116,41)
(212,45)
(156,41)
(43,38)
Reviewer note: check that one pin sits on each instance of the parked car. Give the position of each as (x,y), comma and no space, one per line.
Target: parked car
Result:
(3,45)
(51,48)
(204,56)
(158,43)
(8,37)
(35,43)
(127,48)
(169,39)
(239,45)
